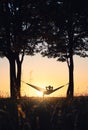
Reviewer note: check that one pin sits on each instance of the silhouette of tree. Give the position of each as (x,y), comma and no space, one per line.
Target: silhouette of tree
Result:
(19,36)
(67,33)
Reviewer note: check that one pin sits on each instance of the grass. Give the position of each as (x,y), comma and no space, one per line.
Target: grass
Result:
(43,114)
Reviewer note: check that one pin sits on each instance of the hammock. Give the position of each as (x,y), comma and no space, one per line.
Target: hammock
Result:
(47,91)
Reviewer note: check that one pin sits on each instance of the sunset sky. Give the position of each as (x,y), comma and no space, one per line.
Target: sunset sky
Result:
(42,72)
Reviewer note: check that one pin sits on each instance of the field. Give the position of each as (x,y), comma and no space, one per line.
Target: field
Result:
(44,114)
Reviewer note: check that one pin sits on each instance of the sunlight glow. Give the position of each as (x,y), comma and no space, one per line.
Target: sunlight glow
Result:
(46,72)
(39,94)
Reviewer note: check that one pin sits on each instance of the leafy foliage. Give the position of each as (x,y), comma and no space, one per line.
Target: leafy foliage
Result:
(18,27)
(65,20)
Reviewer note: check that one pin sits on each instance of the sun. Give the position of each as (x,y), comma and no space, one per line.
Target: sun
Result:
(39,94)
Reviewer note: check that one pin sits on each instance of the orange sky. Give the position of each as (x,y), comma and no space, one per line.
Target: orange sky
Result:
(43,72)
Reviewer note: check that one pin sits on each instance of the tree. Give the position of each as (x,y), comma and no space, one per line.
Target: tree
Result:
(18,37)
(68,21)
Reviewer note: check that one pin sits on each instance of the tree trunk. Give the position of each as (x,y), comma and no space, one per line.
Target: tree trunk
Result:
(18,79)
(70,90)
(12,78)
(15,75)
(19,61)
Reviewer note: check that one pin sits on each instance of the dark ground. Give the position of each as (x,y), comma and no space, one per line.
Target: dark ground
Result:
(44,114)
